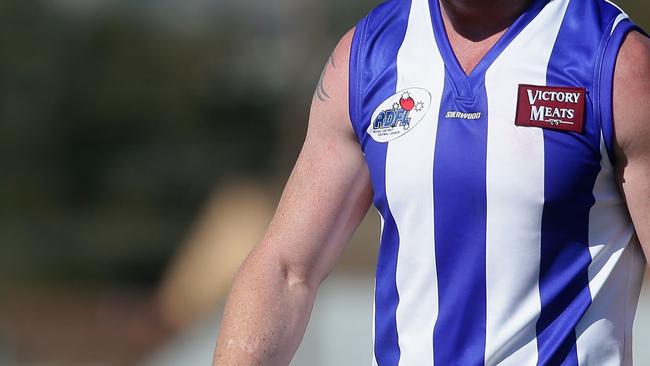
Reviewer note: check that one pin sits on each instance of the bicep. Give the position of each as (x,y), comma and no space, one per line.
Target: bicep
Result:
(328,192)
(632,129)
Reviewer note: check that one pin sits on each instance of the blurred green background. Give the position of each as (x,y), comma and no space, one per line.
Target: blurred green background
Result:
(118,118)
(118,121)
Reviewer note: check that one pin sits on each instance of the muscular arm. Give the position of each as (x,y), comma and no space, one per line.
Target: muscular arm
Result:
(324,200)
(632,128)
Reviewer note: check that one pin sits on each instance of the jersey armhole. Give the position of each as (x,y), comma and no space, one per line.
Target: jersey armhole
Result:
(604,82)
(354,76)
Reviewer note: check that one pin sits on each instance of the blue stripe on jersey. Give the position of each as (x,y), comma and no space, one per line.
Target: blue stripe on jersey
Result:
(386,347)
(460,201)
(605,84)
(374,79)
(460,209)
(571,164)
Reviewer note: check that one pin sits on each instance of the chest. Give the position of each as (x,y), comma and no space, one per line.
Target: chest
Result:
(508,130)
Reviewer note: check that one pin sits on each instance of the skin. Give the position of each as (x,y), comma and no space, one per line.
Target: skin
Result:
(632,131)
(474,26)
(476,20)
(273,293)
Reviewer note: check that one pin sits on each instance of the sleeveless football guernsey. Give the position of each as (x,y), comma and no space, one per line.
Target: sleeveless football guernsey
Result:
(504,238)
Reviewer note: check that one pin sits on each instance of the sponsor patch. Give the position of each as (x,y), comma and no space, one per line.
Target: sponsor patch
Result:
(558,108)
(399,114)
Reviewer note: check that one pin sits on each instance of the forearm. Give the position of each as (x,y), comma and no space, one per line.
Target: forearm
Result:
(265,317)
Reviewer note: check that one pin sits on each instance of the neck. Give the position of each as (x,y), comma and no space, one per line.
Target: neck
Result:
(477,20)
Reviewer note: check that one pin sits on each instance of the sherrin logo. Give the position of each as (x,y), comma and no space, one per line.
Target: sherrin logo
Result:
(399,114)
(559,108)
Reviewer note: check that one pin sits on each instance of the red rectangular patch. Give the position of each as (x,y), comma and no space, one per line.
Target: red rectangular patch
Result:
(558,108)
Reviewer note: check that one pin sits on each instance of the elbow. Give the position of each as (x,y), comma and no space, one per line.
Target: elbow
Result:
(298,278)
(272,269)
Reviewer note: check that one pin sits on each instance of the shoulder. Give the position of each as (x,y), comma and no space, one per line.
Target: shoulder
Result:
(634,58)
(632,92)
(330,101)
(334,77)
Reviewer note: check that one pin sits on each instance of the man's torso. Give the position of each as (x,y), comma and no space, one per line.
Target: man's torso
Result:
(504,237)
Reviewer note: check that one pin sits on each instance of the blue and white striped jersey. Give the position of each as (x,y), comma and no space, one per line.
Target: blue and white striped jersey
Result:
(502,241)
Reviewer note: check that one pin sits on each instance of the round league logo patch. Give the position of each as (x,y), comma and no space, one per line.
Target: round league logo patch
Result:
(399,114)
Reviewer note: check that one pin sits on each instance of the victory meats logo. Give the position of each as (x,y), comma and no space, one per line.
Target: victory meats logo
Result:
(559,108)
(399,114)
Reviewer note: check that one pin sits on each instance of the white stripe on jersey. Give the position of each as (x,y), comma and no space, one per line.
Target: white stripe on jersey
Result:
(618,19)
(409,173)
(513,226)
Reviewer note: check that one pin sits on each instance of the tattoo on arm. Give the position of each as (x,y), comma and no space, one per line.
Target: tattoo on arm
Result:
(321,93)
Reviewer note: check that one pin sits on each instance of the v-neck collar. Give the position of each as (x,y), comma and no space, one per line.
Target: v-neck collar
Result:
(466,84)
